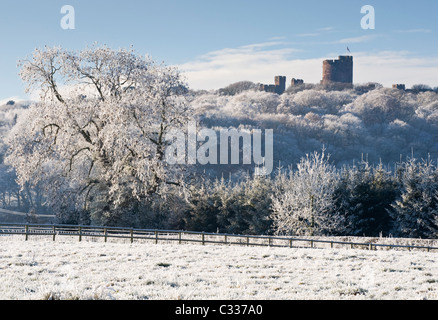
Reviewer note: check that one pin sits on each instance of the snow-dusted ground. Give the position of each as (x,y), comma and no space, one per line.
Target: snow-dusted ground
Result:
(67,269)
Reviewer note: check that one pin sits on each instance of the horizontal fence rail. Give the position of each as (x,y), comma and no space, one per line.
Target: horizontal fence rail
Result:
(184,237)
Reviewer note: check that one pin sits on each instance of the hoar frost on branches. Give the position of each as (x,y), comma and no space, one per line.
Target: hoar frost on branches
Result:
(95,139)
(304,201)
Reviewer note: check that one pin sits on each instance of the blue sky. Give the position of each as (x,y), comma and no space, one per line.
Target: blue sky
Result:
(216,43)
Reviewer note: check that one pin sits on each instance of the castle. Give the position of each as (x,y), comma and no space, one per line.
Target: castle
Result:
(334,72)
(279,87)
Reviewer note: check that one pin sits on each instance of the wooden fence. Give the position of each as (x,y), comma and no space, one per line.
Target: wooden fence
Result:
(183,237)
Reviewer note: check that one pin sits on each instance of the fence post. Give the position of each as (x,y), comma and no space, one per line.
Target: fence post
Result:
(156,237)
(105,233)
(225,239)
(179,237)
(54,232)
(311,243)
(247,241)
(26,228)
(331,244)
(132,235)
(80,233)
(203,238)
(290,243)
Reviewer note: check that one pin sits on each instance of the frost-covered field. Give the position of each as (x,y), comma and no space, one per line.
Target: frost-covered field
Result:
(42,269)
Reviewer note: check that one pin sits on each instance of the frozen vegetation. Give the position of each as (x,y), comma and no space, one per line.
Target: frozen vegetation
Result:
(357,162)
(66,269)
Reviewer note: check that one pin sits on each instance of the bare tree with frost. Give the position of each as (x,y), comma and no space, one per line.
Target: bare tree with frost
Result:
(304,200)
(95,139)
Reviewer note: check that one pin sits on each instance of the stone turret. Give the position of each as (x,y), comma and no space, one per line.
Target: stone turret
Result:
(280,84)
(338,71)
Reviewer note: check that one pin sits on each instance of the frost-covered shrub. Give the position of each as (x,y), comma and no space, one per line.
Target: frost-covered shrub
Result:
(304,199)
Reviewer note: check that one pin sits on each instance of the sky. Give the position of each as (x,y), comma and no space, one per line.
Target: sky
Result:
(216,43)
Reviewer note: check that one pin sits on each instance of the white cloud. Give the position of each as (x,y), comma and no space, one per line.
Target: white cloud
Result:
(389,67)
(359,39)
(259,63)
(326,29)
(414,31)
(278,38)
(306,35)
(263,45)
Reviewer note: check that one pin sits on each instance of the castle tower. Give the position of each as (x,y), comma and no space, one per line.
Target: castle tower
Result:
(280,84)
(338,71)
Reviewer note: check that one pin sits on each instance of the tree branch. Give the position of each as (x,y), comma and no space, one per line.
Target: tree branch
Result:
(75,154)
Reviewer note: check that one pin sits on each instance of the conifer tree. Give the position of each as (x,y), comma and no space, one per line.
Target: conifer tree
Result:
(364,196)
(416,210)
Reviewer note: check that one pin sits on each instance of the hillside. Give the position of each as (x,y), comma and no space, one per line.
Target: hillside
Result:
(381,125)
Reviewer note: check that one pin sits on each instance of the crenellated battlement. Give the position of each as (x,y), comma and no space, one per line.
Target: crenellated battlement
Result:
(338,71)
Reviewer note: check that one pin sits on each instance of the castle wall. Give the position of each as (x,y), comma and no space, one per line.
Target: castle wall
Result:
(296,82)
(279,87)
(399,86)
(268,88)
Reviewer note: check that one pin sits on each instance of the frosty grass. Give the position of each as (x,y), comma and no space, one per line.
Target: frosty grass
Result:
(67,269)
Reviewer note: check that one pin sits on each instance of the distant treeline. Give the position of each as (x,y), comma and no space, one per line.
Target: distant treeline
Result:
(367,187)
(318,199)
